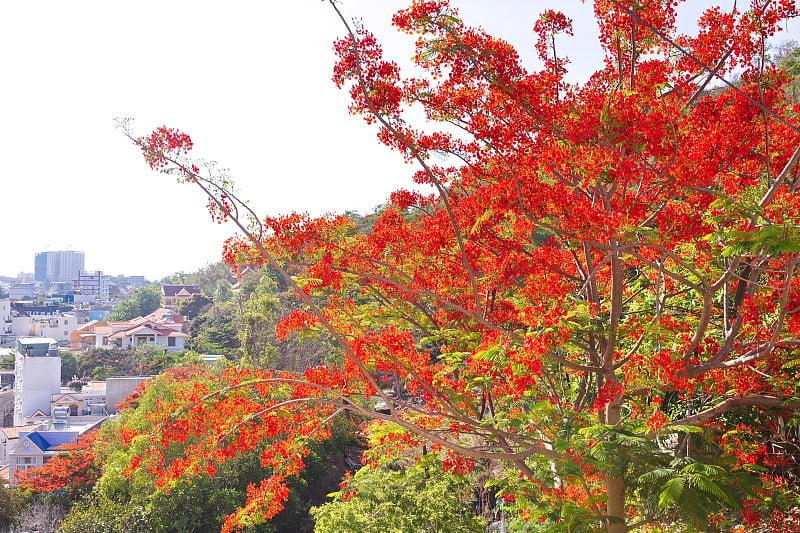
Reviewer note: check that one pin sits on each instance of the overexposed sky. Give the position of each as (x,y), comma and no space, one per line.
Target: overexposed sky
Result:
(248,80)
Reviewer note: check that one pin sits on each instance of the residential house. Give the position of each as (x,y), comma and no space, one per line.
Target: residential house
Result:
(161,327)
(33,448)
(9,437)
(172,294)
(84,335)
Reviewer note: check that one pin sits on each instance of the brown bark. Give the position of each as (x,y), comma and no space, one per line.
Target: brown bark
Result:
(615,484)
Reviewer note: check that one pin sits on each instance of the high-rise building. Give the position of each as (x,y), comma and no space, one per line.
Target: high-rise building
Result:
(58,266)
(90,287)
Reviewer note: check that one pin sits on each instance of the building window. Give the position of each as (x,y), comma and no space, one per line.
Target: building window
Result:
(24,460)
(170,341)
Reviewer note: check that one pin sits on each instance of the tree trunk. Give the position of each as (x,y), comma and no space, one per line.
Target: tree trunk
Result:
(615,485)
(615,503)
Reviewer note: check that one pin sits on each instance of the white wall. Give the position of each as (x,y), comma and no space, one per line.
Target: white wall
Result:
(56,327)
(5,317)
(41,377)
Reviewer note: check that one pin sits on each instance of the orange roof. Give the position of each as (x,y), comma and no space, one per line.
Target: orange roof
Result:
(13,432)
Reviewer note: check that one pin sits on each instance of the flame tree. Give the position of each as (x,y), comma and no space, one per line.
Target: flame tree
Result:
(600,292)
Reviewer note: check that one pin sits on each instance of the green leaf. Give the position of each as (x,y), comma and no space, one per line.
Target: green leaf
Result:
(681,428)
(672,491)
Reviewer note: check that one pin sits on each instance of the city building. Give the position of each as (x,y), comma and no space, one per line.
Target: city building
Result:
(61,266)
(5,321)
(120,387)
(29,319)
(37,376)
(22,290)
(91,287)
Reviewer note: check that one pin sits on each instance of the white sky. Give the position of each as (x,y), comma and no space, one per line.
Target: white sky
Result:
(248,80)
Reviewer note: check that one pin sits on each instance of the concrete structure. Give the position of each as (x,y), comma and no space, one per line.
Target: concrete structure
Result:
(37,376)
(58,266)
(90,287)
(21,291)
(5,316)
(28,320)
(118,388)
(90,401)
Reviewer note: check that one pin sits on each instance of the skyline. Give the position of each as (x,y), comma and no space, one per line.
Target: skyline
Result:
(253,92)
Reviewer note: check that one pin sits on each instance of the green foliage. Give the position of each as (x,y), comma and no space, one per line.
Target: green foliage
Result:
(144,301)
(788,60)
(690,491)
(129,501)
(400,494)
(146,359)
(11,507)
(207,278)
(70,366)
(7,362)
(214,330)
(260,312)
(192,307)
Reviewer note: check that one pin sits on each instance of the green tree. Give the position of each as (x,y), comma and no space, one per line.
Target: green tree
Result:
(127,499)
(11,507)
(787,57)
(70,366)
(7,361)
(260,312)
(144,301)
(394,492)
(192,307)
(215,330)
(207,278)
(223,292)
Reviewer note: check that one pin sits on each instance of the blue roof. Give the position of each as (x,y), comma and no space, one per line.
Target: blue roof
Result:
(46,440)
(38,440)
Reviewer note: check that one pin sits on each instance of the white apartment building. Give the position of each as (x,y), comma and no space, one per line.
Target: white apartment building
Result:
(41,321)
(37,376)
